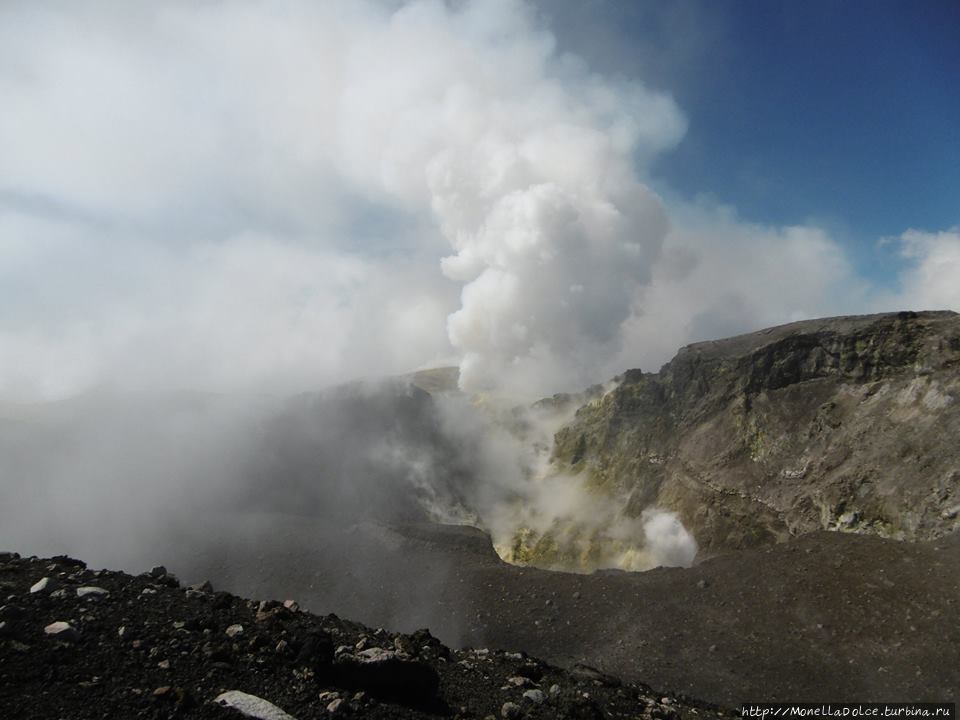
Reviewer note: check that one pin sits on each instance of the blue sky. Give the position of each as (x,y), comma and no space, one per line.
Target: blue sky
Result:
(841,114)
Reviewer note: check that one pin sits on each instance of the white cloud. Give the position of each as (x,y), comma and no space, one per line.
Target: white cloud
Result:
(222,185)
(273,197)
(526,161)
(249,312)
(246,194)
(931,279)
(720,275)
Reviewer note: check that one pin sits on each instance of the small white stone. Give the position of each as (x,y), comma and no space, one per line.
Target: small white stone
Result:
(252,706)
(334,705)
(62,630)
(534,696)
(234,630)
(41,585)
(376,654)
(91,590)
(509,711)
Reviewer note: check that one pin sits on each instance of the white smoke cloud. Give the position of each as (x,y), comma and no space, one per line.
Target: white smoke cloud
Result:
(238,196)
(525,160)
(931,280)
(535,512)
(263,197)
(249,312)
(226,178)
(172,215)
(719,275)
(667,541)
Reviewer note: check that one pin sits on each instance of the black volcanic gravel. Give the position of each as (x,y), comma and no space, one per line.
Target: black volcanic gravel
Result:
(149,648)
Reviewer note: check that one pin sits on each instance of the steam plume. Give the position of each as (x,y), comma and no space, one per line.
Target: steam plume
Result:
(263,198)
(360,141)
(525,160)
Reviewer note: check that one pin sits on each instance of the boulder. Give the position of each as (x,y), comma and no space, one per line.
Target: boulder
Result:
(251,706)
(388,675)
(90,590)
(62,630)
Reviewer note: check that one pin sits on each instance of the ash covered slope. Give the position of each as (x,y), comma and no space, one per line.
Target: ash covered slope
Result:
(81,644)
(843,423)
(827,616)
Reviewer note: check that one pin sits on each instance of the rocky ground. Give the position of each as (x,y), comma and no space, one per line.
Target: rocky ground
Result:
(827,616)
(77,643)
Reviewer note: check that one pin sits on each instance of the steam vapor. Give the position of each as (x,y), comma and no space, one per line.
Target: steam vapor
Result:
(336,148)
(260,200)
(350,166)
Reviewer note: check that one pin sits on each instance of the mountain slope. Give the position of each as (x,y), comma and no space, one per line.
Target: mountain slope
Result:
(842,423)
(75,644)
(828,616)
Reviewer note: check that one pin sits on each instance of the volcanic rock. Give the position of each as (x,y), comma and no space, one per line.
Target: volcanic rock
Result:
(388,675)
(43,585)
(510,711)
(534,696)
(252,706)
(123,678)
(62,630)
(234,630)
(834,424)
(89,590)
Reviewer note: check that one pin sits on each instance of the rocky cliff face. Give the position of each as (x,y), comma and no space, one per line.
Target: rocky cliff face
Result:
(845,424)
